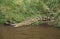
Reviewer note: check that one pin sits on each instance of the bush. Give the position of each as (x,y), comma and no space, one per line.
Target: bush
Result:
(19,10)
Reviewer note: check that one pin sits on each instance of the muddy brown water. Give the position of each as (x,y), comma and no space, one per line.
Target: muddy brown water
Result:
(30,32)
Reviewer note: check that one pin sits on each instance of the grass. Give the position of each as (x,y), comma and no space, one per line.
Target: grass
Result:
(19,10)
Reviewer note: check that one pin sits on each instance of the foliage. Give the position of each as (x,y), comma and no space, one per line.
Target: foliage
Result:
(19,10)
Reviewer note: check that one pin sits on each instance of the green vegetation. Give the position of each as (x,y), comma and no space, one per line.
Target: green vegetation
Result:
(19,10)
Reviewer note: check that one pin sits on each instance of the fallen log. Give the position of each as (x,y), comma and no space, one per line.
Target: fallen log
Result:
(48,20)
(28,22)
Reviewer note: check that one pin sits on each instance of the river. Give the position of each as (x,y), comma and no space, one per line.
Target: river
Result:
(29,32)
